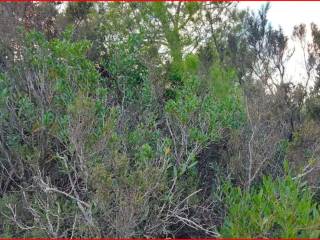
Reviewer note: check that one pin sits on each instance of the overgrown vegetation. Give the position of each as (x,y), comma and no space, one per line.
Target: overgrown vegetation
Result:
(279,208)
(155,120)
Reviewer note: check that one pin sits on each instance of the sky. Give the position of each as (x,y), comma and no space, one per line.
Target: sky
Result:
(286,15)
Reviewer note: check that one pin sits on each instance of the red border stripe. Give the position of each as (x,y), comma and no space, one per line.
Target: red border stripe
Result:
(262,1)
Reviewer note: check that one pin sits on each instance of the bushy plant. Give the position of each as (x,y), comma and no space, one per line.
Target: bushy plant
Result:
(198,115)
(129,123)
(282,208)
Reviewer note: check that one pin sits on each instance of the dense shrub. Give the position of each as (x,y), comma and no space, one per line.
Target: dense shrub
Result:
(282,208)
(131,122)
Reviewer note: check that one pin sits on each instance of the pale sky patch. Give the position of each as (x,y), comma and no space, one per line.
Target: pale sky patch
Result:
(286,15)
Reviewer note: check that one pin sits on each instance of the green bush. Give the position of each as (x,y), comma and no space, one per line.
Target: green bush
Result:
(281,208)
(128,124)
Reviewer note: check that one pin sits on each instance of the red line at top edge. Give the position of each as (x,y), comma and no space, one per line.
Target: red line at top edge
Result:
(157,238)
(166,1)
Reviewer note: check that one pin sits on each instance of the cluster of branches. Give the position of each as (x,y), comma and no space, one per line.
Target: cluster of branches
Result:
(129,124)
